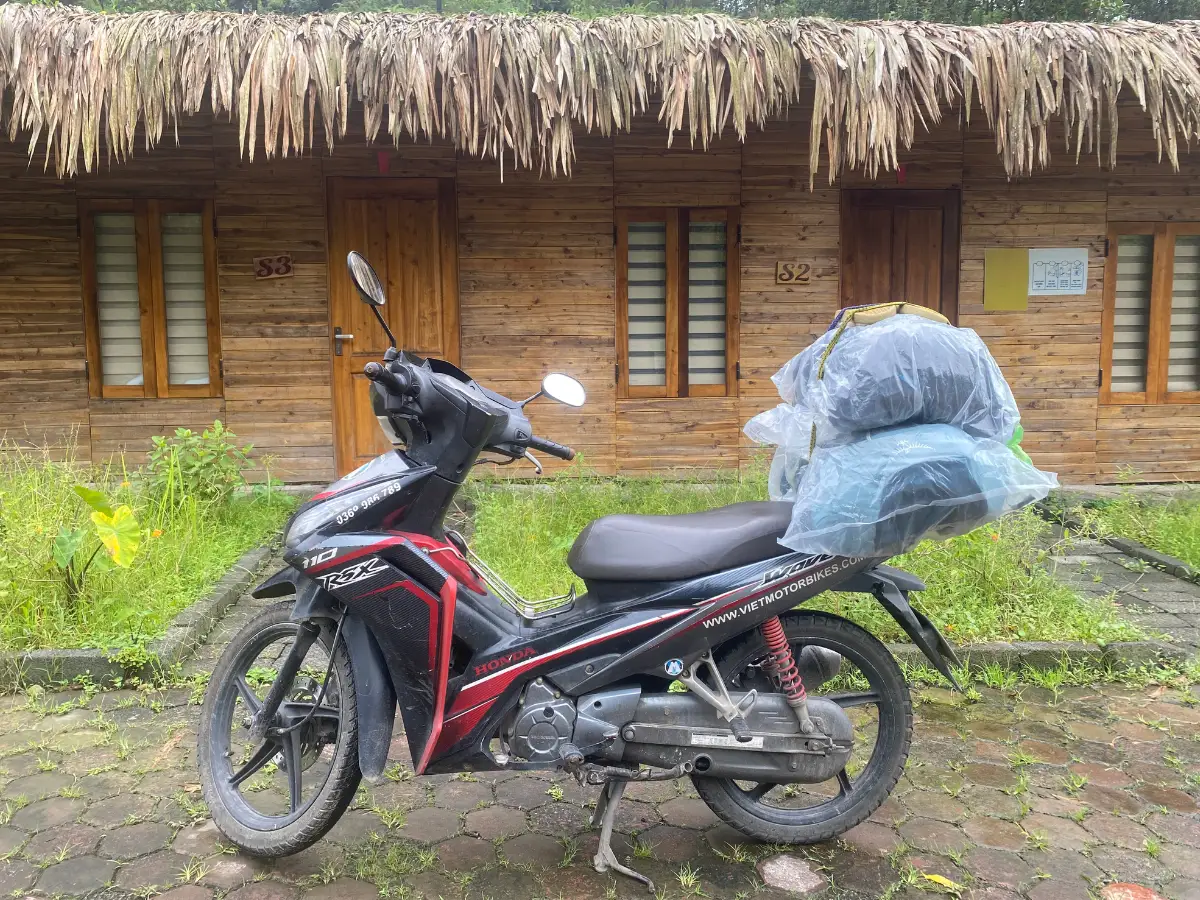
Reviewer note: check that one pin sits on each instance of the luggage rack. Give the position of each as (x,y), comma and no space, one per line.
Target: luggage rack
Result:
(506,592)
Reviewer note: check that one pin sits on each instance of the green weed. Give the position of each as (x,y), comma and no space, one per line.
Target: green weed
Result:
(186,542)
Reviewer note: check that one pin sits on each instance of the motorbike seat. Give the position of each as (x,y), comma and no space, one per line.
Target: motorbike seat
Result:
(672,548)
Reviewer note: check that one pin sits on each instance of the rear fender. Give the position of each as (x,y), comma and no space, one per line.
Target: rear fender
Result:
(374,693)
(890,587)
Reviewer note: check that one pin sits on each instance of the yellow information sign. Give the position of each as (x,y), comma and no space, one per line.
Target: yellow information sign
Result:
(1005,279)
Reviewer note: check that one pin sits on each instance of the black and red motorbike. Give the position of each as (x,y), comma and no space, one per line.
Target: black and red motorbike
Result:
(793,725)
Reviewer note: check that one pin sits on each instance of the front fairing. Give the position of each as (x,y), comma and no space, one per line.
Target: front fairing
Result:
(380,494)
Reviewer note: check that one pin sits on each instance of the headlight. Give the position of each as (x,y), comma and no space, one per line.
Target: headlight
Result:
(340,509)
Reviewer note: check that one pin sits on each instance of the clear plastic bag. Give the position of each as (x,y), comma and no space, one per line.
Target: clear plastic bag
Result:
(902,370)
(882,494)
(789,428)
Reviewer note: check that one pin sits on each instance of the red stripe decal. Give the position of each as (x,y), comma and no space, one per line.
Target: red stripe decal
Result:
(442,675)
(492,686)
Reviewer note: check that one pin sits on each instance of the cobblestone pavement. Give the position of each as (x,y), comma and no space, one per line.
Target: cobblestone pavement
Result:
(1015,794)
(1153,600)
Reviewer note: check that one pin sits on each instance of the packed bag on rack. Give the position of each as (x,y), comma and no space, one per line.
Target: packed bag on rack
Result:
(882,494)
(897,370)
(789,429)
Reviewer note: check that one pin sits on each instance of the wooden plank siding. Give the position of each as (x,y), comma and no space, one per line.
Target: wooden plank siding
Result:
(537,281)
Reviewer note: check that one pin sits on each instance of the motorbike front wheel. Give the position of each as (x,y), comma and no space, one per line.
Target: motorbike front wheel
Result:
(870,688)
(277,795)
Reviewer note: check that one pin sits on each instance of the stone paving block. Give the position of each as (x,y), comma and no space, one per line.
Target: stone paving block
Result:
(198,839)
(48,813)
(522,792)
(431,825)
(11,840)
(558,819)
(264,890)
(533,850)
(76,877)
(158,870)
(343,889)
(465,854)
(187,892)
(132,841)
(670,843)
(1177,829)
(463,795)
(999,867)
(1123,832)
(687,812)
(997,833)
(16,875)
(69,840)
(1183,889)
(930,834)
(225,872)
(495,822)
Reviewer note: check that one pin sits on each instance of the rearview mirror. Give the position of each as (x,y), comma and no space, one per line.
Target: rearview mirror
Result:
(564,389)
(365,279)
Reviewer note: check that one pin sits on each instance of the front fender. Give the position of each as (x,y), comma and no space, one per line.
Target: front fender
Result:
(374,693)
(281,584)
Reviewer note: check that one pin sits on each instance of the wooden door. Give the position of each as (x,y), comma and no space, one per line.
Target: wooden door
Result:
(407,230)
(900,245)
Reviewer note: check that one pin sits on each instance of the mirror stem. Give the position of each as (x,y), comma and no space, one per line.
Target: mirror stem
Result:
(383,325)
(530,399)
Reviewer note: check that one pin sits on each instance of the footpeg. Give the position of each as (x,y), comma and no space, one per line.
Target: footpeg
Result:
(740,729)
(606,815)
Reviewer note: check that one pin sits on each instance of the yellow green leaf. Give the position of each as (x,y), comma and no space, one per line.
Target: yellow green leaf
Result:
(120,534)
(943,881)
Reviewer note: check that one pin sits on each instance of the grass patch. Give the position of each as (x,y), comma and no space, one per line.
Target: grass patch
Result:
(185,541)
(1168,526)
(985,586)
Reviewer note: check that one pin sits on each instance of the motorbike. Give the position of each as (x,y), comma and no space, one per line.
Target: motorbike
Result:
(689,654)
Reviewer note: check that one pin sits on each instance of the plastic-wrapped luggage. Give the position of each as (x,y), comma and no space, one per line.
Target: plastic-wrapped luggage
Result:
(880,495)
(902,370)
(895,427)
(789,428)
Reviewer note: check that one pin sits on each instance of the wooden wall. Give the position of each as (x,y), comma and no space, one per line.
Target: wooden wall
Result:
(537,278)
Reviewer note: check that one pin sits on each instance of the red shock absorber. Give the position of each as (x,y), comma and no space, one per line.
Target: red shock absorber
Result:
(781,664)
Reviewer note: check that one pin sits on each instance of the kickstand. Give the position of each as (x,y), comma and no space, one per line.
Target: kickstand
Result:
(606,814)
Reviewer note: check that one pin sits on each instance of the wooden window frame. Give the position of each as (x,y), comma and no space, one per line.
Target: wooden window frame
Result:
(677,220)
(1158,338)
(147,217)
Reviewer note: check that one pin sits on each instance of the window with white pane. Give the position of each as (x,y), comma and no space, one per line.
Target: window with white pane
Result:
(149,288)
(1151,349)
(676,301)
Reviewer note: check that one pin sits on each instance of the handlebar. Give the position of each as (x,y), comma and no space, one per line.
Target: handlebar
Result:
(551,448)
(509,438)
(397,382)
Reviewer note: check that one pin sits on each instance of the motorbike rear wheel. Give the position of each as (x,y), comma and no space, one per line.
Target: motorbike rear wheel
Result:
(256,789)
(778,813)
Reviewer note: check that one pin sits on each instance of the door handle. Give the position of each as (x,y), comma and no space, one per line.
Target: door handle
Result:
(338,337)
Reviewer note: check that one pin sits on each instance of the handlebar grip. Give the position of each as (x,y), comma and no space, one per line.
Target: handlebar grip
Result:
(551,448)
(396,382)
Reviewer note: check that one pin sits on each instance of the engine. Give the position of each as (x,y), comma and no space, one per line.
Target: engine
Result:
(543,724)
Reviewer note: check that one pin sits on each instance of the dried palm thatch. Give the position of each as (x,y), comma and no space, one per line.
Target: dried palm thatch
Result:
(517,88)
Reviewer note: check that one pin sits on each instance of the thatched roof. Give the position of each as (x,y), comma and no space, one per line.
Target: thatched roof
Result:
(519,88)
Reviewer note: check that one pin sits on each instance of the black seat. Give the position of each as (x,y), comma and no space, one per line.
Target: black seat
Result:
(671,548)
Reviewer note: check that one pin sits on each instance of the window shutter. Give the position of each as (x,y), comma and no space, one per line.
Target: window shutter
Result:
(118,311)
(647,264)
(707,278)
(184,298)
(1183,371)
(1131,319)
